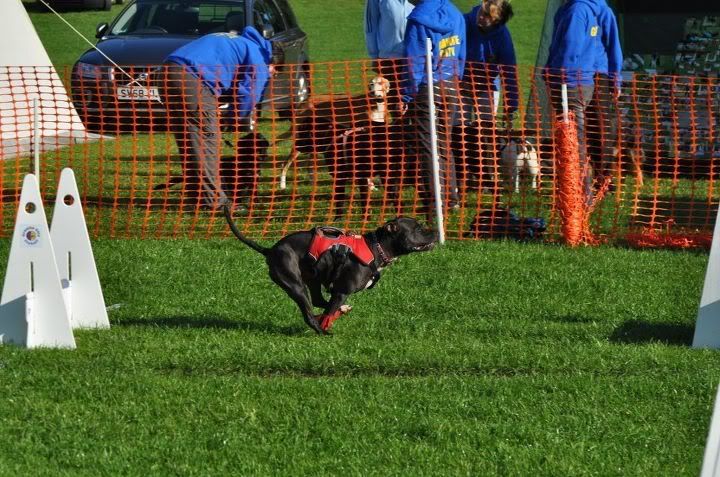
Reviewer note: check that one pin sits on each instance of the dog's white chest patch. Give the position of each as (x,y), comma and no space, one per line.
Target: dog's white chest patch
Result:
(374,279)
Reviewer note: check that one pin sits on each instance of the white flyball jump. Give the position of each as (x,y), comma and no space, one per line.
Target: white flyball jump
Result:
(75,260)
(707,326)
(44,298)
(711,459)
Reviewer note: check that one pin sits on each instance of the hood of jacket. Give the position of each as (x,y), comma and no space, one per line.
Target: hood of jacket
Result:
(595,5)
(435,15)
(251,34)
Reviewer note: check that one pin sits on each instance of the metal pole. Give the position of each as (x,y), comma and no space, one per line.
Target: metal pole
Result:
(36,138)
(433,141)
(566,113)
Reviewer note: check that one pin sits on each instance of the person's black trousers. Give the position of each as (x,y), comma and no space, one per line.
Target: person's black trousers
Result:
(193,108)
(447,110)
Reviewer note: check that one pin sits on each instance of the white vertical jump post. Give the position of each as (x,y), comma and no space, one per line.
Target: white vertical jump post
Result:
(711,460)
(36,137)
(75,260)
(433,141)
(32,308)
(707,326)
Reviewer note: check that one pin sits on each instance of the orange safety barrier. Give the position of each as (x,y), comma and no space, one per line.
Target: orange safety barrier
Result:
(339,149)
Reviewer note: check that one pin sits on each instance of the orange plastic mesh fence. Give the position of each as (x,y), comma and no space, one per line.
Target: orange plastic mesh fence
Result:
(332,144)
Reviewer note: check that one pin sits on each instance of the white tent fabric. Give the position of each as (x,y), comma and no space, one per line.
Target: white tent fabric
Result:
(26,73)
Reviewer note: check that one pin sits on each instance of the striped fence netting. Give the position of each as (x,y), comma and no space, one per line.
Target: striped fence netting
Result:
(334,143)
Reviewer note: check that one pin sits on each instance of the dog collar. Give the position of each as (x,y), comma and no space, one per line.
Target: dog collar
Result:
(381,251)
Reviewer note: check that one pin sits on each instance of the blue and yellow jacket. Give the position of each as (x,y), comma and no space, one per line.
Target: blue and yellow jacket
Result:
(585,41)
(229,64)
(496,49)
(443,23)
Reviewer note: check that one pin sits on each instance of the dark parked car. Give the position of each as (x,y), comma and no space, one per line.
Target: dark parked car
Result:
(146,31)
(72,4)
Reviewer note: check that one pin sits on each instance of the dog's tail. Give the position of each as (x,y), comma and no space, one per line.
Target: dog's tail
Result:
(253,245)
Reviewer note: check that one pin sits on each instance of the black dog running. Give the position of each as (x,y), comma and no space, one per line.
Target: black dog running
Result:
(339,269)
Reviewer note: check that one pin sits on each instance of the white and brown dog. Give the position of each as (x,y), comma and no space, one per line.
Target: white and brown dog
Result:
(519,157)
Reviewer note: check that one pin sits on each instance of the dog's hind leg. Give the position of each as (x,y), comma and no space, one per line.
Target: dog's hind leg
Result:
(285,271)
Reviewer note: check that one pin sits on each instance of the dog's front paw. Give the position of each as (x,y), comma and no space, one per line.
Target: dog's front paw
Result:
(328,320)
(345,309)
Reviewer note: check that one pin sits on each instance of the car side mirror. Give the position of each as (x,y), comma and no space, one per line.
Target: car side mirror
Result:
(101,29)
(267,31)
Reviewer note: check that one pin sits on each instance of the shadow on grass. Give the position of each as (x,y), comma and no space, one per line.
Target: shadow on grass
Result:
(637,332)
(190,322)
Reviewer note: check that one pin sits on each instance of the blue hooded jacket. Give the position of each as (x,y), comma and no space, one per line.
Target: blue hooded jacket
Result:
(443,23)
(495,48)
(227,60)
(385,23)
(611,41)
(577,50)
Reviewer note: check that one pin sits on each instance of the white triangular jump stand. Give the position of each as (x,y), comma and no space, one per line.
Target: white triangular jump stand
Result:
(32,309)
(76,263)
(711,460)
(707,327)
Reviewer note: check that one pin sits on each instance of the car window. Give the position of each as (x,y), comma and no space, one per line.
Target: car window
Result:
(287,13)
(266,13)
(179,17)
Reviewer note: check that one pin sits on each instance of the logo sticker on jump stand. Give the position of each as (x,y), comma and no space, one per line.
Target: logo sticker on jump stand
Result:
(31,235)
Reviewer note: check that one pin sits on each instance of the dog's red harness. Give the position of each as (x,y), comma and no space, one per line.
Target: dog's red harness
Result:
(326,238)
(330,238)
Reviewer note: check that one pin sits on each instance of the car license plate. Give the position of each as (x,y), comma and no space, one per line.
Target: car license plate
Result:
(134,93)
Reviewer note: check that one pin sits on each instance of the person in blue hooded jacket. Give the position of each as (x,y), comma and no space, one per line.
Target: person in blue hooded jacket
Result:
(218,64)
(584,44)
(444,25)
(385,22)
(491,63)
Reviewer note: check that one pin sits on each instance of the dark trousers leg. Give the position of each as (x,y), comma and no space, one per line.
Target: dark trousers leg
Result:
(478,94)
(601,129)
(198,132)
(447,106)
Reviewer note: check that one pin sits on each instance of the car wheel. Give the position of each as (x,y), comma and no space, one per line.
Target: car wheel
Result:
(119,2)
(303,87)
(301,92)
(107,5)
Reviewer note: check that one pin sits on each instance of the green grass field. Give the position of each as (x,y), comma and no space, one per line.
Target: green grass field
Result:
(478,358)
(474,359)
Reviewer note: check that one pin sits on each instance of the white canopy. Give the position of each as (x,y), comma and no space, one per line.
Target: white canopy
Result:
(26,73)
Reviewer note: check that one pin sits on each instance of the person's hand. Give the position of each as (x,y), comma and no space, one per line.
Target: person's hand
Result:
(271,69)
(402,108)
